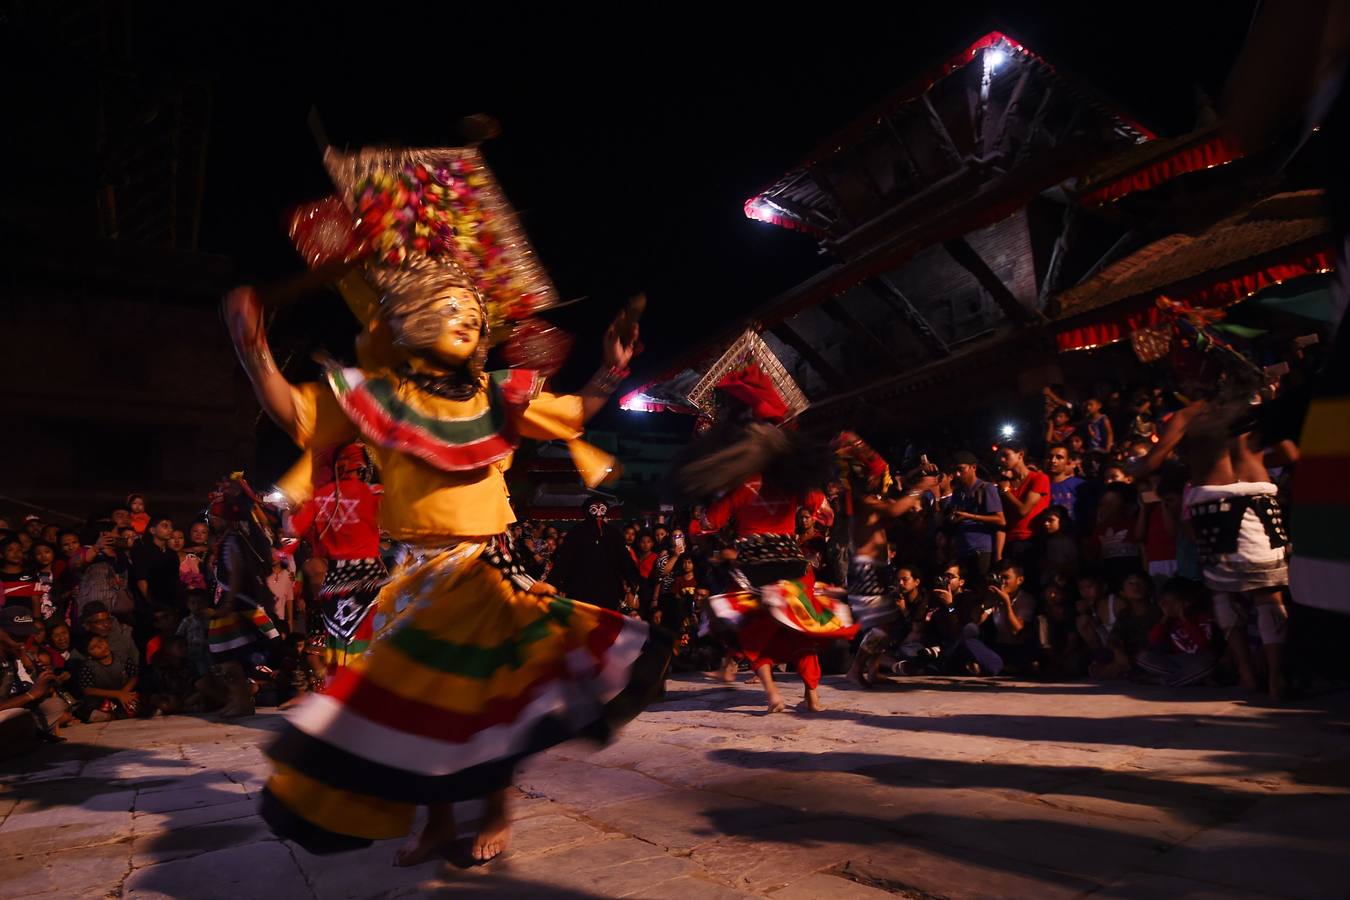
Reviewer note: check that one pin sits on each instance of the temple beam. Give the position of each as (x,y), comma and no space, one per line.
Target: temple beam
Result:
(909,314)
(969,259)
(788,335)
(835,310)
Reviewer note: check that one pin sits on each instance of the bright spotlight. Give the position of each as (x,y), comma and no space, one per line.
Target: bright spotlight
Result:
(1008,430)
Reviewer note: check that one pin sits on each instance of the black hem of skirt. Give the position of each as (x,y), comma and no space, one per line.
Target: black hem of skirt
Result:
(319,841)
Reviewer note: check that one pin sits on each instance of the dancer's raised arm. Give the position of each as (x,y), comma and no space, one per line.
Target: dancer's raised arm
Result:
(243,314)
(619,343)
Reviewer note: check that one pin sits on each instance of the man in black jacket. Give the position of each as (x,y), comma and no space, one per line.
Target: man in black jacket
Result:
(593,563)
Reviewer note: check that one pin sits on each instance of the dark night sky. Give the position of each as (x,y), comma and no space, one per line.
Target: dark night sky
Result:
(631,138)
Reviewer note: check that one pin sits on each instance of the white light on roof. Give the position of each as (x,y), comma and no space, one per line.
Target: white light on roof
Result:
(1008,430)
(762,210)
(638,402)
(996,56)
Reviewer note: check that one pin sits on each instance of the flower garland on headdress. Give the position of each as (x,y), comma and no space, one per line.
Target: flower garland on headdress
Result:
(443,214)
(407,208)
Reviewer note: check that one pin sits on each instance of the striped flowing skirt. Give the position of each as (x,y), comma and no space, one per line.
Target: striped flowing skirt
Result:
(771,578)
(469,671)
(235,632)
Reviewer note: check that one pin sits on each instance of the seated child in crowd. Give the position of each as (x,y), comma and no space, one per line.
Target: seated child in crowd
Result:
(107,683)
(1130,635)
(195,629)
(1181,646)
(173,680)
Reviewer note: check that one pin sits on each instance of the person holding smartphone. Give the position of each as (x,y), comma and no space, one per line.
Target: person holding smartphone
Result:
(103,570)
(664,572)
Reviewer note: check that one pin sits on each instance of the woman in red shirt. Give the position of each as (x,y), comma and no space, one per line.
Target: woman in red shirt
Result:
(1025,493)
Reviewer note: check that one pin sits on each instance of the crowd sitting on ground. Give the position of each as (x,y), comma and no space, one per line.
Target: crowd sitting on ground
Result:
(111,621)
(1060,563)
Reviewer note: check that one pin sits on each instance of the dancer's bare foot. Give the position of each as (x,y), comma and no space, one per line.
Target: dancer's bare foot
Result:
(727,674)
(855,674)
(765,674)
(495,832)
(437,834)
(753,679)
(812,703)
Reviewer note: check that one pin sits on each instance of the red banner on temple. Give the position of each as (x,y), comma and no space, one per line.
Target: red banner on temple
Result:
(1121,323)
(1214,152)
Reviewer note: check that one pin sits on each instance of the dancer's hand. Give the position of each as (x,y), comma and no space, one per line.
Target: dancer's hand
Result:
(619,354)
(621,339)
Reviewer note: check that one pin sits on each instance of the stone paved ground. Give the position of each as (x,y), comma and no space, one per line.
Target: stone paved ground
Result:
(931,788)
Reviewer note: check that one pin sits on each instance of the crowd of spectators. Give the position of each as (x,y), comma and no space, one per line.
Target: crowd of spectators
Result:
(1054,557)
(1040,558)
(1061,556)
(110,620)
(665,579)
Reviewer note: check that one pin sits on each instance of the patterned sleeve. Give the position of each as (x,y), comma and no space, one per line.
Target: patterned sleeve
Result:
(86,676)
(130,670)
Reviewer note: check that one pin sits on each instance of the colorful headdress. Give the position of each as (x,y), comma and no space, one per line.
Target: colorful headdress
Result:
(420,220)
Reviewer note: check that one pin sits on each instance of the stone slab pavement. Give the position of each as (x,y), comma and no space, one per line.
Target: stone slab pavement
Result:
(928,787)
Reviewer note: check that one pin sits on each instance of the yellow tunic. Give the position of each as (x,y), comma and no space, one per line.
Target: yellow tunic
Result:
(422,503)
